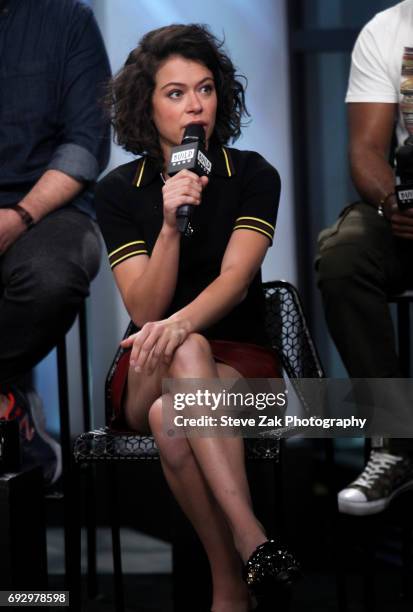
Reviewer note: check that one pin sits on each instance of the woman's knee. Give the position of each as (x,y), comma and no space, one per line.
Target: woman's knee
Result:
(194,349)
(155,416)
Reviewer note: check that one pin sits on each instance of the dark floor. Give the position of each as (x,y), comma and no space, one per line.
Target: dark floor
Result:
(365,552)
(315,593)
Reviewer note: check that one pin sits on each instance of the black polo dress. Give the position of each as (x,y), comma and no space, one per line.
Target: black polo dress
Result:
(242,193)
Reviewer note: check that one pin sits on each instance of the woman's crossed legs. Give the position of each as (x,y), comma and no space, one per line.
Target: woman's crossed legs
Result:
(206,474)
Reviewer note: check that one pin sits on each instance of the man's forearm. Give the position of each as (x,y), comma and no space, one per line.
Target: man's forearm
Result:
(53,190)
(372,175)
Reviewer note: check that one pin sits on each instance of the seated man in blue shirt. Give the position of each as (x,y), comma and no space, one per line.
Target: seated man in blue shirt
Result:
(54,142)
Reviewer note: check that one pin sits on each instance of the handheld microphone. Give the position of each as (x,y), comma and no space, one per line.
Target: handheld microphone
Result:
(404,169)
(190,154)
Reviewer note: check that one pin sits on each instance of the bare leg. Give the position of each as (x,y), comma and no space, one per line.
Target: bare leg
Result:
(195,498)
(193,494)
(221,460)
(210,484)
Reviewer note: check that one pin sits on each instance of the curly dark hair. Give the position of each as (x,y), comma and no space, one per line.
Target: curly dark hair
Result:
(129,95)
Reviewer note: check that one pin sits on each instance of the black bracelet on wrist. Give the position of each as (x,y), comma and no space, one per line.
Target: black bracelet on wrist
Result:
(24,215)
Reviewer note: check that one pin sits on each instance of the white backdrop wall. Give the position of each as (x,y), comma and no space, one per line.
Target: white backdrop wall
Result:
(255,35)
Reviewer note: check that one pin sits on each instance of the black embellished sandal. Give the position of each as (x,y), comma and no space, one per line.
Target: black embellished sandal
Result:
(270,569)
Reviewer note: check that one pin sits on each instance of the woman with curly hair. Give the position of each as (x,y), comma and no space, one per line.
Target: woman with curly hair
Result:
(195,298)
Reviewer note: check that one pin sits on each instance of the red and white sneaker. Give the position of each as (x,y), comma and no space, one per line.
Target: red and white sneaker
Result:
(37,446)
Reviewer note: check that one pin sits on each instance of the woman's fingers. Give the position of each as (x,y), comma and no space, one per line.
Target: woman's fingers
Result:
(156,356)
(183,186)
(155,344)
(139,340)
(145,349)
(127,342)
(178,196)
(152,360)
(173,343)
(204,181)
(154,347)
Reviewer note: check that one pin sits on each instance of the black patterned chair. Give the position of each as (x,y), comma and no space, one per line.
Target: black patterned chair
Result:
(66,491)
(290,337)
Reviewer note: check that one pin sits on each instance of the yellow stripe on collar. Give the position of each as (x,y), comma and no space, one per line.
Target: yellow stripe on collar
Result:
(138,182)
(227,162)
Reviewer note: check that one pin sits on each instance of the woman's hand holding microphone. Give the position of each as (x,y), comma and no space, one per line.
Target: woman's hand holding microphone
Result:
(157,341)
(183,188)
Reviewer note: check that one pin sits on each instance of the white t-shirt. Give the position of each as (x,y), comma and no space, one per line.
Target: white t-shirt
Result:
(383,50)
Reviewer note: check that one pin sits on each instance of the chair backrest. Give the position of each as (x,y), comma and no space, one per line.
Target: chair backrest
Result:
(108,383)
(287,330)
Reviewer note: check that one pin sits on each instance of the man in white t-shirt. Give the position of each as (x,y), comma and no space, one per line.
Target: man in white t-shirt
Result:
(368,253)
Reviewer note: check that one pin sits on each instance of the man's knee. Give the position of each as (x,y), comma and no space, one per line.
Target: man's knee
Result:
(345,272)
(52,284)
(61,254)
(353,247)
(342,262)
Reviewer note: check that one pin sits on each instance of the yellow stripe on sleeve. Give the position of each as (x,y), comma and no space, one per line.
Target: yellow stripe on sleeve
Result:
(126,245)
(131,254)
(256,219)
(254,227)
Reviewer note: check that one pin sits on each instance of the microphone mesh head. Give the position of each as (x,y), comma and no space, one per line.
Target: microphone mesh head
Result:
(194,131)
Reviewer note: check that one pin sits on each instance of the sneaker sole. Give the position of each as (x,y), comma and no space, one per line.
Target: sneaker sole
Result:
(36,410)
(372,507)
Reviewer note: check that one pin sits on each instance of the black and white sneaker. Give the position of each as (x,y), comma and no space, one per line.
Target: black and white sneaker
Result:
(384,477)
(37,446)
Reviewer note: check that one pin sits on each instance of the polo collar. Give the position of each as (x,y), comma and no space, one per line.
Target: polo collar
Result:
(148,169)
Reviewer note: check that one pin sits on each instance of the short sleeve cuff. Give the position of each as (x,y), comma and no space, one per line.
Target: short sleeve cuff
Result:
(130,249)
(257,225)
(76,161)
(372,98)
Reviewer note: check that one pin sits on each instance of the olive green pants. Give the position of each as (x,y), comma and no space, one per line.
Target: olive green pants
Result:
(359,264)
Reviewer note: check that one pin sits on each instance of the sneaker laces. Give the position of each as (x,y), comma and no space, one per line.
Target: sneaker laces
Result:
(377,465)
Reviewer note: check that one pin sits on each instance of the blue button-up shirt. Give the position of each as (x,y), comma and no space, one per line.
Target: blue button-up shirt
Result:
(52,66)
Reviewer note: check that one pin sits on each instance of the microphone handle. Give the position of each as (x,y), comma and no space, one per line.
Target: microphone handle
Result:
(183,215)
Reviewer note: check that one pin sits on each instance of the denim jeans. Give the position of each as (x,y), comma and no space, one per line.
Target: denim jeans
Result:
(44,277)
(359,264)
